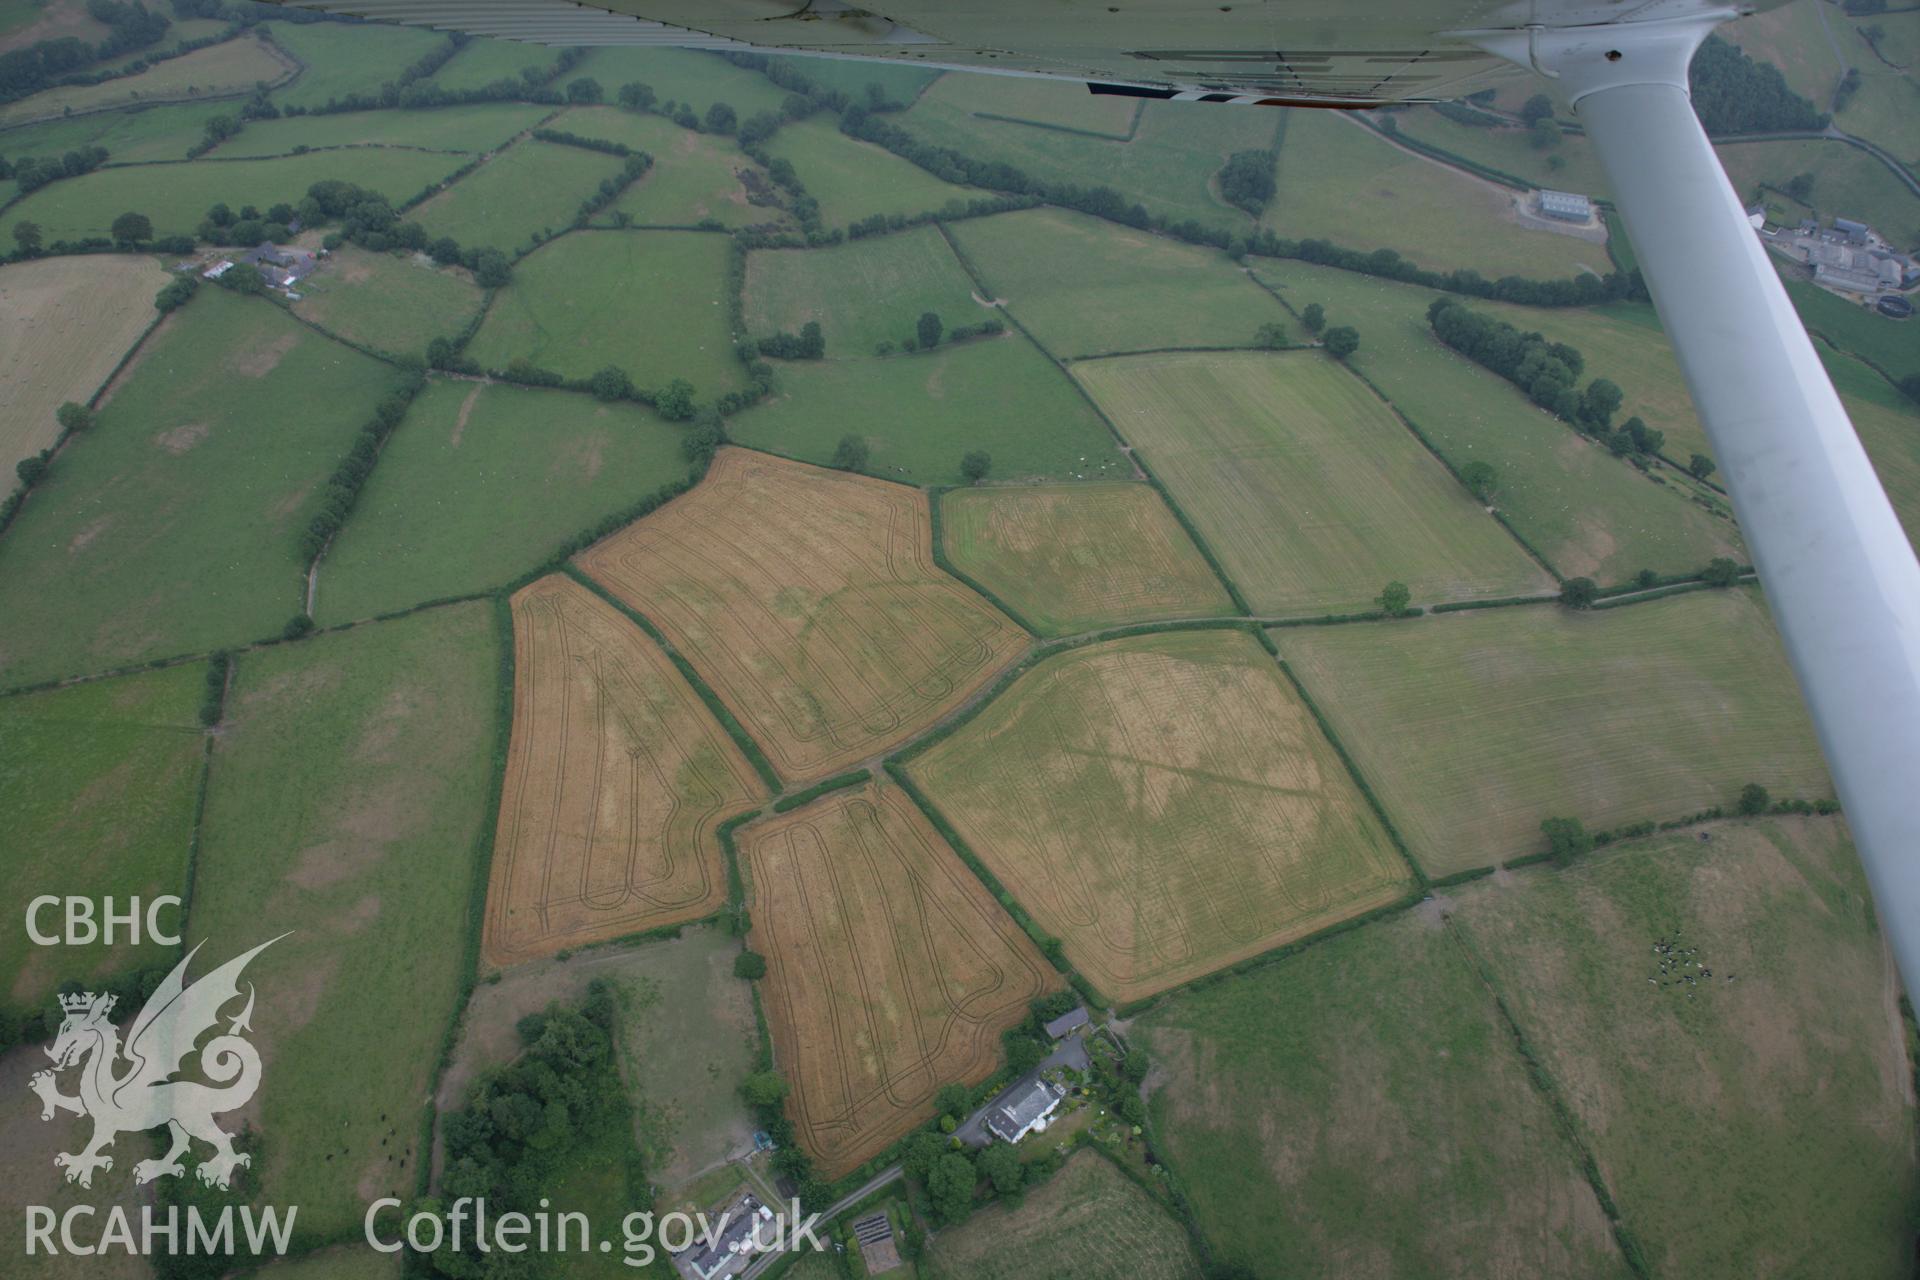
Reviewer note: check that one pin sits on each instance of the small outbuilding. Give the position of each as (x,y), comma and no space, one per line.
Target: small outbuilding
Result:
(1067,1023)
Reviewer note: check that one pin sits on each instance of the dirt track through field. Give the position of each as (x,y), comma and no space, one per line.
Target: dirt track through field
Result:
(890,970)
(809,600)
(617,776)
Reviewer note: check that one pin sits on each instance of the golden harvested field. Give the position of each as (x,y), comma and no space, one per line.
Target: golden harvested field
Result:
(890,969)
(1166,806)
(1074,557)
(810,601)
(1309,490)
(228,68)
(1475,727)
(617,776)
(64,324)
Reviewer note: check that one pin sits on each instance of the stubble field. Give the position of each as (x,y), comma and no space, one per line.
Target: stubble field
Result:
(1308,489)
(616,778)
(810,601)
(1166,806)
(890,969)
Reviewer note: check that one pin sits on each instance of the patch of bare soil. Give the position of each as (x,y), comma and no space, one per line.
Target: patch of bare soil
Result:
(85,537)
(182,438)
(466,411)
(263,358)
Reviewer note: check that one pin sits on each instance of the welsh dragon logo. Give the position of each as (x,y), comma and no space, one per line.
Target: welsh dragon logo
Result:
(132,1087)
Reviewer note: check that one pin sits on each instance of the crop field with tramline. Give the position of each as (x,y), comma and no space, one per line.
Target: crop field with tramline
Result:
(1165,805)
(64,324)
(1475,727)
(1308,489)
(616,779)
(890,970)
(810,601)
(1073,557)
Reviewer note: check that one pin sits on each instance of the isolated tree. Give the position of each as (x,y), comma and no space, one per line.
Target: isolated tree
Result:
(585,89)
(636,96)
(813,341)
(1544,136)
(1537,108)
(764,1089)
(220,215)
(1000,1165)
(1314,317)
(445,251)
(1480,479)
(1578,593)
(1272,335)
(1720,572)
(610,384)
(1342,341)
(950,1184)
(26,236)
(1700,466)
(1394,598)
(491,270)
(928,330)
(975,465)
(851,453)
(73,416)
(131,229)
(1753,800)
(675,401)
(721,119)
(1247,180)
(31,470)
(298,625)
(750,965)
(1567,840)
(1800,187)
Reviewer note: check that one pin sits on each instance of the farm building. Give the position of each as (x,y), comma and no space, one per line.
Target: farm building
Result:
(725,1254)
(874,1235)
(1023,1109)
(1566,206)
(1067,1023)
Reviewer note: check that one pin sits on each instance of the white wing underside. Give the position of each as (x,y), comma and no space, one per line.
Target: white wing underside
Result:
(1280,52)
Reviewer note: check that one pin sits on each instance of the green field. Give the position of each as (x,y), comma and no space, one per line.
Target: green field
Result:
(1088,1221)
(1893,345)
(1475,727)
(343,60)
(153,133)
(342,1262)
(1883,108)
(526,192)
(1045,103)
(390,302)
(347,794)
(1168,166)
(1366,1097)
(920,413)
(1308,489)
(1340,181)
(1510,150)
(1889,426)
(1763,1126)
(1085,286)
(229,69)
(1847,183)
(902,81)
(1586,511)
(854,180)
(481,485)
(98,784)
(1795,38)
(864,293)
(1074,557)
(174,524)
(644,301)
(177,196)
(479,127)
(684,76)
(695,176)
(482,62)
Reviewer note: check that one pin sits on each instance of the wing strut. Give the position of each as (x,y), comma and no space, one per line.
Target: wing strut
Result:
(1839,572)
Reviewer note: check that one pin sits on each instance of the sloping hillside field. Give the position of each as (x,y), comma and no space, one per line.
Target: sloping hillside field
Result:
(616,779)
(810,601)
(1307,488)
(1475,727)
(890,969)
(1166,806)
